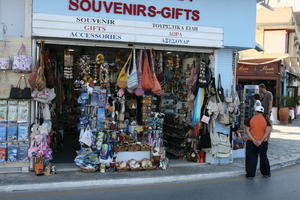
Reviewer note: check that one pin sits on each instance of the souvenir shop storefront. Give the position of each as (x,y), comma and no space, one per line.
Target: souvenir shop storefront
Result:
(119,89)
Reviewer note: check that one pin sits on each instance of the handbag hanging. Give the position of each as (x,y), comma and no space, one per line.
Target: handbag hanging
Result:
(40,82)
(197,107)
(203,75)
(147,79)
(22,63)
(220,89)
(123,76)
(4,64)
(139,91)
(157,90)
(133,81)
(5,61)
(18,93)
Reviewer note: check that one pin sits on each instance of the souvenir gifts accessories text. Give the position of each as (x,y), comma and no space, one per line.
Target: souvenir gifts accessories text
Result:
(22,63)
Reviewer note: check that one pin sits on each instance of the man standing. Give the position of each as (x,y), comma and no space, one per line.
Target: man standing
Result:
(266,100)
(258,130)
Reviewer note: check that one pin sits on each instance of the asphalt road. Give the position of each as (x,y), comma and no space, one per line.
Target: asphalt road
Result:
(283,184)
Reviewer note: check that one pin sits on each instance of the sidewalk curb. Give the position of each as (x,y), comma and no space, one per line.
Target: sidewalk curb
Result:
(135,181)
(119,182)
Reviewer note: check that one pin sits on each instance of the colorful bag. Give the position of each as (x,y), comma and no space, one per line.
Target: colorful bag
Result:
(196,118)
(139,90)
(133,81)
(33,149)
(33,76)
(40,79)
(147,79)
(157,90)
(22,62)
(5,61)
(4,64)
(123,76)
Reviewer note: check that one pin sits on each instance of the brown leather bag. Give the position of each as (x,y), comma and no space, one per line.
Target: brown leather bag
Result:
(147,78)
(40,82)
(40,79)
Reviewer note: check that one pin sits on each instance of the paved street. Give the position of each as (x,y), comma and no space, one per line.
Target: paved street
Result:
(284,184)
(285,142)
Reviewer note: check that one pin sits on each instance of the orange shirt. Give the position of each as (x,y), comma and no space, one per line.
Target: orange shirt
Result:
(258,125)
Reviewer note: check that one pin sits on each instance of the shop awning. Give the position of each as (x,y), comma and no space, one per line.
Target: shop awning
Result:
(261,61)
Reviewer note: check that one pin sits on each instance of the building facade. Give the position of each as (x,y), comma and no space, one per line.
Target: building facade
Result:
(198,26)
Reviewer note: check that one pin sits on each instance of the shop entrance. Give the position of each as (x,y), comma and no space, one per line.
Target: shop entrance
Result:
(71,67)
(270,84)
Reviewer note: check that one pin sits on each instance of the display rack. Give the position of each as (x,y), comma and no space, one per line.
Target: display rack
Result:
(14,139)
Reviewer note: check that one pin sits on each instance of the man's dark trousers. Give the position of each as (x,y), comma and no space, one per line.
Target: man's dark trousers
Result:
(252,153)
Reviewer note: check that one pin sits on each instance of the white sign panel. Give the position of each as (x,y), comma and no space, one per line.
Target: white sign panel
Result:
(117,30)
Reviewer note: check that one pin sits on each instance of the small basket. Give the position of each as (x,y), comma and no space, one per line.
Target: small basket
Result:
(125,169)
(145,148)
(134,148)
(123,148)
(150,169)
(136,169)
(88,170)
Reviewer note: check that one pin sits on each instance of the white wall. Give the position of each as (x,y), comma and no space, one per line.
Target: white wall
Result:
(12,14)
(16,15)
(275,42)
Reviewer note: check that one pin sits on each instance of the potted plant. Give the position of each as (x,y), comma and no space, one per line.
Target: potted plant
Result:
(284,111)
